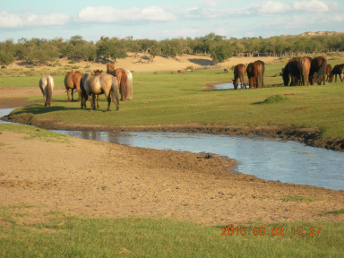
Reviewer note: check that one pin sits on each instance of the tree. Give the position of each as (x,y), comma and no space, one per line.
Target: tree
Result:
(220,53)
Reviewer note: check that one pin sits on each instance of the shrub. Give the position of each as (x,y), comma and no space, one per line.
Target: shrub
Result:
(275,99)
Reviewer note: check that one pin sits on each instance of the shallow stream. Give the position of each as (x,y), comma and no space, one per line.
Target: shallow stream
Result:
(267,158)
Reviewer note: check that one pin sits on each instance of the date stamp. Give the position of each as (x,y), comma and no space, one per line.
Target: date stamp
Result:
(274,231)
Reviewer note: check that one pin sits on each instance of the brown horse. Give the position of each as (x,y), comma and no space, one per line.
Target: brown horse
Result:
(337,70)
(124,80)
(239,72)
(46,84)
(255,73)
(226,70)
(304,65)
(292,70)
(95,85)
(318,70)
(328,72)
(180,71)
(73,81)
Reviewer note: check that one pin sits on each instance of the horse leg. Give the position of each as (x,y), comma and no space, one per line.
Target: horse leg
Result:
(91,100)
(109,101)
(97,101)
(79,93)
(68,94)
(72,94)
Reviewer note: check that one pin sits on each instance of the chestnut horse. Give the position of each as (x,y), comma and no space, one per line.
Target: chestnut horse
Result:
(328,72)
(292,70)
(95,85)
(318,70)
(124,81)
(46,84)
(73,81)
(337,70)
(239,72)
(304,66)
(255,73)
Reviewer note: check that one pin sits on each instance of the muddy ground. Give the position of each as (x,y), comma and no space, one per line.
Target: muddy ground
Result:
(97,179)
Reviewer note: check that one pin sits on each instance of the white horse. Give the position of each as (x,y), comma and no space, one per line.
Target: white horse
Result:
(46,84)
(92,85)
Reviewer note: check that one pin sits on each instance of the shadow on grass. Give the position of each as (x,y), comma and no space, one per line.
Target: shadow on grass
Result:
(40,109)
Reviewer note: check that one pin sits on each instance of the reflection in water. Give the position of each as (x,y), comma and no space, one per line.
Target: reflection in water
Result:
(270,159)
(224,86)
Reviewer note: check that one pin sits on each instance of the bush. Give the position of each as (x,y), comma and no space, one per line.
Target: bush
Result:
(29,66)
(275,99)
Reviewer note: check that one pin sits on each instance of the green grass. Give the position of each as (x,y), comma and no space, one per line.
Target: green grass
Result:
(178,99)
(33,133)
(61,235)
(298,198)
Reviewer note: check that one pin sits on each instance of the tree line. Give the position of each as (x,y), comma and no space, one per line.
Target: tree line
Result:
(219,48)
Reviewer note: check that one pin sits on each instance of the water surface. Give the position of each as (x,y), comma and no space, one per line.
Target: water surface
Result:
(267,158)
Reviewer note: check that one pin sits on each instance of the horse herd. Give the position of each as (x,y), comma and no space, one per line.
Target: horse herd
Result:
(306,71)
(255,73)
(90,85)
(298,71)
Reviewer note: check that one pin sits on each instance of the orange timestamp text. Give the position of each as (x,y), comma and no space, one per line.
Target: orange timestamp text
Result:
(274,231)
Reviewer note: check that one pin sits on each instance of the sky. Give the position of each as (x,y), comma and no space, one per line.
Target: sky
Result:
(151,19)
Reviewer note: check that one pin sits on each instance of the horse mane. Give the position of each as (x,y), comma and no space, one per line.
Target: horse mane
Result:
(110,67)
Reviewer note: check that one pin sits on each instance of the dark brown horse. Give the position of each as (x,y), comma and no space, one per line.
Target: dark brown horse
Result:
(337,70)
(95,85)
(291,70)
(226,70)
(239,72)
(318,70)
(124,80)
(304,65)
(73,81)
(255,73)
(328,72)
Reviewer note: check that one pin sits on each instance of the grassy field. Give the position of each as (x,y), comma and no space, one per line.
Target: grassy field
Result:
(61,235)
(163,98)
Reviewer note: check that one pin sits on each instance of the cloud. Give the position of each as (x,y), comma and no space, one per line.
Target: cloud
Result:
(310,6)
(269,7)
(110,14)
(8,20)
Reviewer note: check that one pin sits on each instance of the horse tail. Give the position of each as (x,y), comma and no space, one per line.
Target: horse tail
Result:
(114,89)
(260,69)
(129,85)
(124,86)
(322,71)
(49,90)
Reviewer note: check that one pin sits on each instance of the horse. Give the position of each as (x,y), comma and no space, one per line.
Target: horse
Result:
(255,73)
(124,81)
(226,70)
(304,65)
(337,70)
(318,70)
(239,72)
(46,84)
(292,70)
(95,85)
(180,71)
(73,81)
(328,72)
